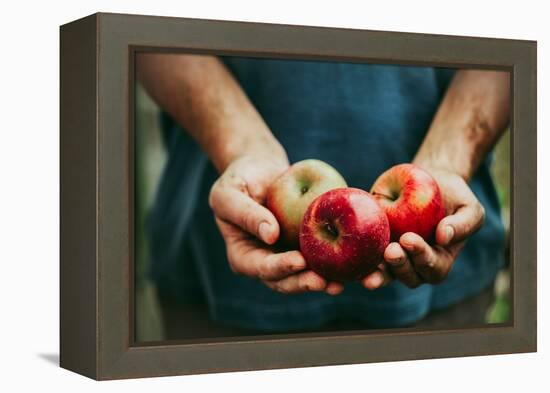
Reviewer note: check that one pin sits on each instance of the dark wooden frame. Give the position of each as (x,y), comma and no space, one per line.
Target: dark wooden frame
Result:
(96,141)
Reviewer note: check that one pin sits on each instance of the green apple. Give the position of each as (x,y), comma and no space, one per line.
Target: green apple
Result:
(290,194)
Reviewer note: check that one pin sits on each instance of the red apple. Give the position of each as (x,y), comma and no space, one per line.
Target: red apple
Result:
(290,195)
(344,234)
(412,201)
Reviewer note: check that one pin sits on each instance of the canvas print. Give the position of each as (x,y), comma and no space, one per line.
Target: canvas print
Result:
(280,196)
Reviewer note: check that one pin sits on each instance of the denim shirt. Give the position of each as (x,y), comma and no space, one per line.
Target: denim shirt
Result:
(360,118)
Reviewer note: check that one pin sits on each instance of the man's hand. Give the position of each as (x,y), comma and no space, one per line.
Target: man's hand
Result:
(204,97)
(249,229)
(469,121)
(412,260)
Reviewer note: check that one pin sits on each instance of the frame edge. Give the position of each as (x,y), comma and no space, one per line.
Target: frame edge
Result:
(78,197)
(118,359)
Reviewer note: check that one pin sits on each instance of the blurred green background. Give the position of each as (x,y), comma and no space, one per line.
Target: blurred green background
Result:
(150,160)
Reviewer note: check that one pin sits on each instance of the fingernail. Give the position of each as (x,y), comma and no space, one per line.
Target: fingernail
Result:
(404,241)
(406,244)
(264,231)
(396,261)
(375,281)
(333,291)
(449,233)
(298,266)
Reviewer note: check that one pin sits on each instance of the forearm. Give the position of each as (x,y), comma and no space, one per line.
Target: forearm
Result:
(469,121)
(202,96)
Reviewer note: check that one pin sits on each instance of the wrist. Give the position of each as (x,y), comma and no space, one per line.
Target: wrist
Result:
(261,148)
(444,162)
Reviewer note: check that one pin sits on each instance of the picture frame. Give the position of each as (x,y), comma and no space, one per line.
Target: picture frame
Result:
(96,195)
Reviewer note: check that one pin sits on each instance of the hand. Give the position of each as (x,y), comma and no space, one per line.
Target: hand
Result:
(412,260)
(249,228)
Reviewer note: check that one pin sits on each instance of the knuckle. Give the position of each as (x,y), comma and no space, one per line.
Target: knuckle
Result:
(286,262)
(426,270)
(240,184)
(307,282)
(255,191)
(233,265)
(248,220)
(304,284)
(278,287)
(263,272)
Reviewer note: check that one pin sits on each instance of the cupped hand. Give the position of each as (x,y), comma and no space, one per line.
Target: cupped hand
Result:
(250,230)
(412,260)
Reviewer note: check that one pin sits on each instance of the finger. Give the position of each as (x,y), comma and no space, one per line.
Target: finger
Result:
(376,279)
(278,266)
(299,283)
(334,288)
(234,206)
(266,265)
(399,264)
(458,226)
(248,257)
(429,265)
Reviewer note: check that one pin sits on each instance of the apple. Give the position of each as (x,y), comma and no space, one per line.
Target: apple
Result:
(289,196)
(412,200)
(344,234)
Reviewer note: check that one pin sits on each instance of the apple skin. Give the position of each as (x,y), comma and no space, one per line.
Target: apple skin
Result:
(289,196)
(344,234)
(412,201)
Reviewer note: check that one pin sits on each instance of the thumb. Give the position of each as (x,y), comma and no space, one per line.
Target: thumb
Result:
(460,225)
(234,206)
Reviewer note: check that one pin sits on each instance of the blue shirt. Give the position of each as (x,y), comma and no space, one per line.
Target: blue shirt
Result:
(360,118)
